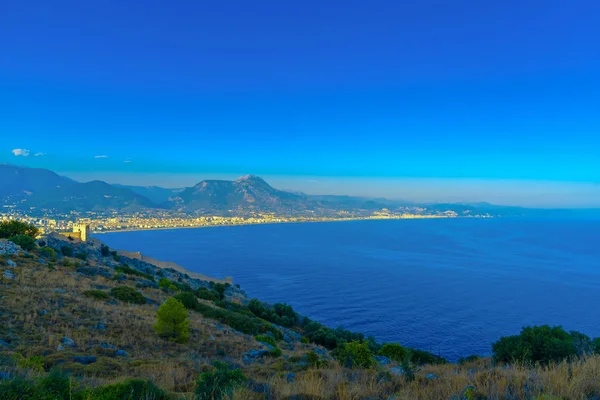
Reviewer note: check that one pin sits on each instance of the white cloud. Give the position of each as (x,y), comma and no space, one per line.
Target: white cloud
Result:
(39,154)
(127,161)
(101,156)
(21,152)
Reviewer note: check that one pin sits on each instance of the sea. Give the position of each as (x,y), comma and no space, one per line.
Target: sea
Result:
(449,286)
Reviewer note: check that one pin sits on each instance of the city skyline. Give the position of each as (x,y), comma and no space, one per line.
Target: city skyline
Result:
(423,102)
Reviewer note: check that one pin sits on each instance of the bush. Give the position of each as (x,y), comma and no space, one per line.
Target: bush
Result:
(82,256)
(96,294)
(541,344)
(67,251)
(127,295)
(266,339)
(239,321)
(394,351)
(206,294)
(220,289)
(172,321)
(219,383)
(188,300)
(355,354)
(26,242)
(131,389)
(104,250)
(280,314)
(48,252)
(10,229)
(421,357)
(127,270)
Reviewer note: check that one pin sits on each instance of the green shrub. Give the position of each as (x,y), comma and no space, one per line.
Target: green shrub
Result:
(34,363)
(127,270)
(48,252)
(96,294)
(67,251)
(104,250)
(280,313)
(394,351)
(207,294)
(266,339)
(116,256)
(218,383)
(26,242)
(82,255)
(17,389)
(127,295)
(422,357)
(355,354)
(220,289)
(188,299)
(172,321)
(315,361)
(131,389)
(239,321)
(541,344)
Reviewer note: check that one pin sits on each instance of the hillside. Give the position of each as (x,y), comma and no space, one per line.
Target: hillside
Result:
(68,327)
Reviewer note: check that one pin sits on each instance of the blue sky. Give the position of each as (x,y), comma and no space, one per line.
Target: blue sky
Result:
(428,100)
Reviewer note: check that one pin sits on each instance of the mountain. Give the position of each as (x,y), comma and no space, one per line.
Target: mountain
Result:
(248,193)
(156,194)
(18,183)
(40,188)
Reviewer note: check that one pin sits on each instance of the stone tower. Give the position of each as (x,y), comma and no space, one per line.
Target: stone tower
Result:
(83,230)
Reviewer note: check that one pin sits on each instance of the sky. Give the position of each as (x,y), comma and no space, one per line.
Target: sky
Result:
(426,101)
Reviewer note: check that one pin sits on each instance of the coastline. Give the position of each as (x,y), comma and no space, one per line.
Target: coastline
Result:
(273,223)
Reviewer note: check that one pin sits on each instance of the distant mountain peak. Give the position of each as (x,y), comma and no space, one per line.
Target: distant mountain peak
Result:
(250,178)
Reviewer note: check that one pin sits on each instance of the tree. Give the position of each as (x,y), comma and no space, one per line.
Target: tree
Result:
(541,344)
(356,354)
(172,321)
(9,229)
(394,351)
(220,288)
(105,251)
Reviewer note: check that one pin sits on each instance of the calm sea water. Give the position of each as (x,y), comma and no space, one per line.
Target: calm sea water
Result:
(449,286)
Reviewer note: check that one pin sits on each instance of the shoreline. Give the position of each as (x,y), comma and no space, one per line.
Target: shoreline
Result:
(273,223)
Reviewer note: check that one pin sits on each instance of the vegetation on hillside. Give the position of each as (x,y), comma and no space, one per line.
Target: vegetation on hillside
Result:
(95,329)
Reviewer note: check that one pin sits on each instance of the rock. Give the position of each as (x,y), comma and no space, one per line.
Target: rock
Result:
(9,248)
(85,360)
(100,326)
(320,351)
(68,342)
(107,346)
(87,271)
(290,377)
(382,360)
(121,353)
(268,346)
(431,376)
(4,375)
(41,313)
(11,263)
(60,347)
(211,338)
(253,355)
(8,275)
(61,291)
(397,371)
(4,344)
